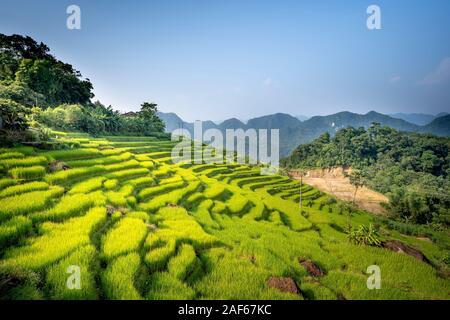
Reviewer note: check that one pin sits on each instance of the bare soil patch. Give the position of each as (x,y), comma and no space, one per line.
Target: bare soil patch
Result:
(312,268)
(334,182)
(283,284)
(398,246)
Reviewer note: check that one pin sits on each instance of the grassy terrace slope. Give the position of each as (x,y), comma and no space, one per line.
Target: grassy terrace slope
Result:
(140,227)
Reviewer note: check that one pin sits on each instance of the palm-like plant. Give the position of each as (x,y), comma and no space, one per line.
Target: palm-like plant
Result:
(365,236)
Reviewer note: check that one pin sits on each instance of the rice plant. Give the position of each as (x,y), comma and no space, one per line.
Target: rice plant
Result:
(118,279)
(11,155)
(70,206)
(73,174)
(23,162)
(183,263)
(56,241)
(164,286)
(27,203)
(22,188)
(63,155)
(87,186)
(7,182)
(58,274)
(126,174)
(125,237)
(13,229)
(27,173)
(158,257)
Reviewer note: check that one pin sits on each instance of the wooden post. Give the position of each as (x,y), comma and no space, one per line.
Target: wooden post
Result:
(301,196)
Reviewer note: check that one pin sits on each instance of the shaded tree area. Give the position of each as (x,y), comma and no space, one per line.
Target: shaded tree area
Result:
(38,92)
(412,169)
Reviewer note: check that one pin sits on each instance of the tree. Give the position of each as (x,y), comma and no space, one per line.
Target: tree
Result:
(148,113)
(358,180)
(13,116)
(25,62)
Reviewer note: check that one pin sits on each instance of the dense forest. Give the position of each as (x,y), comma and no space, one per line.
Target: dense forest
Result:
(38,92)
(412,169)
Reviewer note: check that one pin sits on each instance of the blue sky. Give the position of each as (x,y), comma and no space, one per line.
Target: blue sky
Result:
(215,59)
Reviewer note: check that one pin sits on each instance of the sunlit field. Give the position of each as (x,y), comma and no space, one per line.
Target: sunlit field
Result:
(140,227)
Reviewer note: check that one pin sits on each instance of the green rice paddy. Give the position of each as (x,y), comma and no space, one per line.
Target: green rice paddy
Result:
(140,227)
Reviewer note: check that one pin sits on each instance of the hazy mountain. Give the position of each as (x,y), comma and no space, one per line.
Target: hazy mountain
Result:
(301,117)
(232,123)
(439,126)
(294,132)
(420,119)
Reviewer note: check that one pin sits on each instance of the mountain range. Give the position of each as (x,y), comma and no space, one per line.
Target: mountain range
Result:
(294,132)
(420,119)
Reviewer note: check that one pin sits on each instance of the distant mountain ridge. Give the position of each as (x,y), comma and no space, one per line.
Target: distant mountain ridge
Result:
(420,119)
(294,132)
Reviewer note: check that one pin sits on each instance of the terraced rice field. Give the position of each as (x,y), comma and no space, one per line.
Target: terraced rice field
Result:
(141,227)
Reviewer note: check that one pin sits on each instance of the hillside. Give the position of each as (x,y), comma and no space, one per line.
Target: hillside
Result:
(412,169)
(294,132)
(439,126)
(140,227)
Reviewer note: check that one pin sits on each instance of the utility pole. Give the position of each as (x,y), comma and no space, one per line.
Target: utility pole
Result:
(301,192)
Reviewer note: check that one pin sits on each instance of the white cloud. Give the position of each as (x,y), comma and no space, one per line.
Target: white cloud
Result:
(439,75)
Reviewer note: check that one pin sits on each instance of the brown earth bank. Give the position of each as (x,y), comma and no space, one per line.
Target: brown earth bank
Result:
(334,182)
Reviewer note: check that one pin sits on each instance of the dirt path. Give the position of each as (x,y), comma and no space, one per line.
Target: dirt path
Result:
(334,182)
